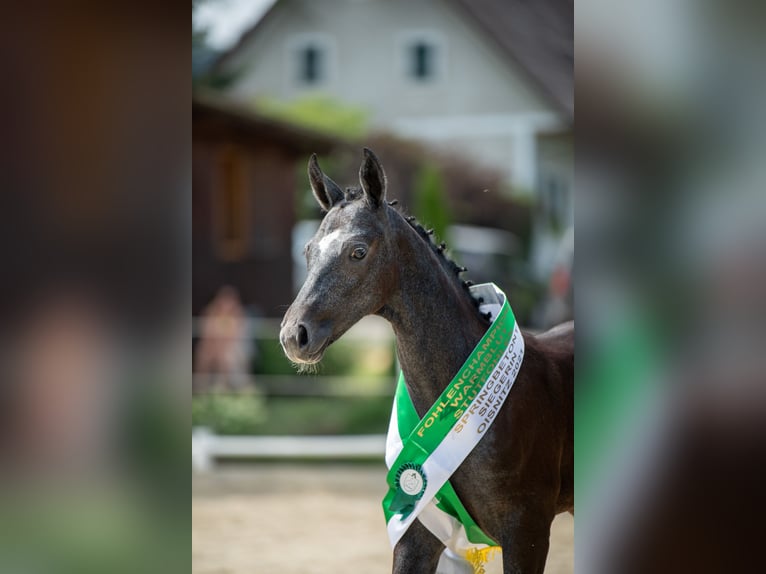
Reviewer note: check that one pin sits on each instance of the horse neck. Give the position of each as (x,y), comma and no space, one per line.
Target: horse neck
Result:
(435,321)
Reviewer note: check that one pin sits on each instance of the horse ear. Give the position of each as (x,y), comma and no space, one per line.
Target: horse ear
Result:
(325,190)
(373,178)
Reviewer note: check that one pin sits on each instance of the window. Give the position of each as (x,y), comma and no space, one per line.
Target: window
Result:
(423,56)
(422,61)
(310,60)
(310,66)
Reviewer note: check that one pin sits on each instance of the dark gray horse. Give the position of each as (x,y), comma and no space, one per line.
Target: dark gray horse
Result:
(366,258)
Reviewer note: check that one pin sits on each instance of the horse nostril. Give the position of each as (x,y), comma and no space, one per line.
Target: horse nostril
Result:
(303,336)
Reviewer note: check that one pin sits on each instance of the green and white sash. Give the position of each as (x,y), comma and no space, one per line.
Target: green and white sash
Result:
(422,454)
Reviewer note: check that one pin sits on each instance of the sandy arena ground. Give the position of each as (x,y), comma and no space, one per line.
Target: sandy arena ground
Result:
(306,519)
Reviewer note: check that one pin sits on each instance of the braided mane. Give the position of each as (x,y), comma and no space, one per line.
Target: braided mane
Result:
(452,268)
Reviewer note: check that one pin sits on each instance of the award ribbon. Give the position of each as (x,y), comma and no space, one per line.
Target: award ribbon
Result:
(422,454)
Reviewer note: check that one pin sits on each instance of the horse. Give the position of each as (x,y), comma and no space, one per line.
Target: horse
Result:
(368,258)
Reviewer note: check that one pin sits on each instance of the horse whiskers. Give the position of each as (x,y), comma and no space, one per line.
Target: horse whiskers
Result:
(306,368)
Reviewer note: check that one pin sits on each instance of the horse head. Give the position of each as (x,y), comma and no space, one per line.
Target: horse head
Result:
(350,260)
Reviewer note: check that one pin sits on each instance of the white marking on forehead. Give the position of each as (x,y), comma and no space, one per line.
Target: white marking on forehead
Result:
(332,241)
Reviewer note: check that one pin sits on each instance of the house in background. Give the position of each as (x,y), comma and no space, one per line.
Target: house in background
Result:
(244,182)
(488,79)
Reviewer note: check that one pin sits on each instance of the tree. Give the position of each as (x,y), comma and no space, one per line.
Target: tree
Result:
(204,56)
(430,200)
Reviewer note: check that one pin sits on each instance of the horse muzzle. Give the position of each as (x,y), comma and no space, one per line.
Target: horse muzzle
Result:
(303,342)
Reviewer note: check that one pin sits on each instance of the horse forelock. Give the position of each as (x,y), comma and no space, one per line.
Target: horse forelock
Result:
(353,193)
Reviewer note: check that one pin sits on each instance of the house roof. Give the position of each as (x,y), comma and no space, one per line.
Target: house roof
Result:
(538,35)
(215,112)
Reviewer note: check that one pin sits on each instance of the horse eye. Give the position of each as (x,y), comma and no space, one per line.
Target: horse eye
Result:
(359,253)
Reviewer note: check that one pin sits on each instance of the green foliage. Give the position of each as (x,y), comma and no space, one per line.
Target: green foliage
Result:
(320,113)
(205,75)
(214,80)
(344,357)
(229,414)
(271,359)
(358,404)
(431,201)
(239,414)
(525,295)
(306,206)
(328,415)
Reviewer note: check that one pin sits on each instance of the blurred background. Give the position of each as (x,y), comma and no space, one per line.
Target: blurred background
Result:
(469,106)
(670,409)
(97,207)
(95,163)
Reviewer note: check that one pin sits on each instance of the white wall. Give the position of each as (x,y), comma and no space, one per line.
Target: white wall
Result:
(479,103)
